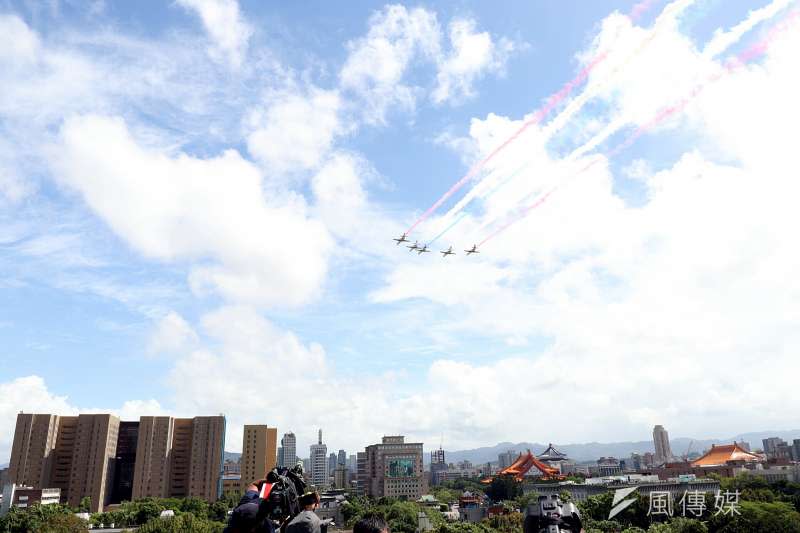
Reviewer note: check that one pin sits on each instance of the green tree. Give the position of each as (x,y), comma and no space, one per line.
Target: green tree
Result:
(183,523)
(504,488)
(85,506)
(775,517)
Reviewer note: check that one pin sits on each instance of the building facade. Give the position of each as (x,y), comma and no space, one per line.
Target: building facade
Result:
(289,446)
(71,453)
(319,463)
(258,452)
(394,468)
(124,463)
(179,457)
(661,443)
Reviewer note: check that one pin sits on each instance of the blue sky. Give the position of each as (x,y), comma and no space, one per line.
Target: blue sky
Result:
(197,199)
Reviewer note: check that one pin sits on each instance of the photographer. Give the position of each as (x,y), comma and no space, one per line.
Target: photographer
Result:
(245,517)
(307,521)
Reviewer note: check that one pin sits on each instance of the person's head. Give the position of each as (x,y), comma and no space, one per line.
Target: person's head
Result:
(243,519)
(310,500)
(371,523)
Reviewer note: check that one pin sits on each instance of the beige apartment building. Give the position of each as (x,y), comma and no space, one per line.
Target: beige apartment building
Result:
(32,449)
(179,457)
(174,457)
(71,453)
(259,452)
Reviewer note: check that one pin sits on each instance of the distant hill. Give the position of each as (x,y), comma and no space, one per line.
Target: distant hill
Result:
(591,451)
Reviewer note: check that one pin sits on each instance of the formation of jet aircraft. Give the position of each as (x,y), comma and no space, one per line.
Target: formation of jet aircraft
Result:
(423,248)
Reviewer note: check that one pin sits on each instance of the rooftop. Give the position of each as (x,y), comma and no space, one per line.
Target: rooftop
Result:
(720,455)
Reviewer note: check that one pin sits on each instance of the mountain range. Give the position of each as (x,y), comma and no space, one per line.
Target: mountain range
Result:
(591,451)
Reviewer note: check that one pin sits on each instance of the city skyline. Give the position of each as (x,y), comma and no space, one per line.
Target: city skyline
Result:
(197,209)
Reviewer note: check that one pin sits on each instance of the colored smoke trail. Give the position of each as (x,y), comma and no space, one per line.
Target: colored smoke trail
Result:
(637,11)
(670,12)
(741,60)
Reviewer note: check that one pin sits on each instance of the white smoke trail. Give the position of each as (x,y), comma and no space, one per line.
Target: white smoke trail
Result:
(723,40)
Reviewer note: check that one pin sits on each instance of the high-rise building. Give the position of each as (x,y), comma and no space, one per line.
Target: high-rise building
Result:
(796,450)
(258,452)
(661,443)
(776,448)
(71,453)
(124,462)
(332,461)
(352,464)
(289,445)
(319,463)
(97,456)
(32,449)
(342,458)
(179,457)
(394,468)
(151,473)
(506,459)
(280,461)
(438,467)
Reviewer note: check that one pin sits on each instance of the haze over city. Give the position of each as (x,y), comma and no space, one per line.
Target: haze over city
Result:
(198,200)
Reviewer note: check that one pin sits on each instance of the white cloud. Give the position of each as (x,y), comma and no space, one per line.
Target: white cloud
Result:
(172,334)
(244,246)
(225,25)
(294,132)
(378,62)
(473,54)
(658,310)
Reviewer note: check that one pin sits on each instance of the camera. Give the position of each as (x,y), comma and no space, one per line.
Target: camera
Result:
(551,515)
(281,497)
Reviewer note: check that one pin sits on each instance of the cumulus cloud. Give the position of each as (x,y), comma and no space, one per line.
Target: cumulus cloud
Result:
(293,132)
(172,334)
(378,62)
(225,25)
(244,246)
(670,301)
(400,40)
(472,55)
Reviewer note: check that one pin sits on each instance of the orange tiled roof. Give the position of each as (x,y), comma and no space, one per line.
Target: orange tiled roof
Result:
(720,455)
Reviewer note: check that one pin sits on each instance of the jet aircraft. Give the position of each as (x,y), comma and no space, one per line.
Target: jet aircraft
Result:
(414,246)
(447,252)
(402,238)
(422,250)
(473,250)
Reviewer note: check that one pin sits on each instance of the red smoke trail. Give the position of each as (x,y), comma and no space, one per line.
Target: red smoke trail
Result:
(555,99)
(753,52)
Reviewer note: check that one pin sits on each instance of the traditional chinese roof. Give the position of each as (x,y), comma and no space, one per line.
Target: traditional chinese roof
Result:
(551,454)
(721,455)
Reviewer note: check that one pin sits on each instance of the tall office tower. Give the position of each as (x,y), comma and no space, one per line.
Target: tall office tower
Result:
(437,456)
(289,445)
(281,461)
(179,457)
(94,449)
(124,462)
(332,460)
(352,463)
(394,469)
(61,471)
(342,458)
(32,450)
(661,443)
(258,452)
(319,463)
(151,471)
